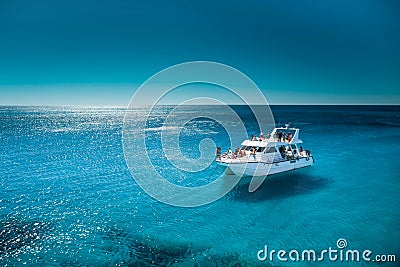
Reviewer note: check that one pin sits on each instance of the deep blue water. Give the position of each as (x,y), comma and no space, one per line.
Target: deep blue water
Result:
(67,197)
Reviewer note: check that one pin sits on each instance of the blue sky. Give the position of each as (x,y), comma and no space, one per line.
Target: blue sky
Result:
(97,52)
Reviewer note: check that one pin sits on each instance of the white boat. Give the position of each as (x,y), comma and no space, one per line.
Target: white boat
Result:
(278,152)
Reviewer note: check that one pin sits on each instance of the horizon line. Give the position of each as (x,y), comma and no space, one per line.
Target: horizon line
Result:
(279,104)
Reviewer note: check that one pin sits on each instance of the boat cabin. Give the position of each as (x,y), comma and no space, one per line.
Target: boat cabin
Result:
(280,145)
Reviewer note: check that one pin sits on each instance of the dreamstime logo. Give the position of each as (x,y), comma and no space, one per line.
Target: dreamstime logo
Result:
(341,243)
(145,105)
(331,254)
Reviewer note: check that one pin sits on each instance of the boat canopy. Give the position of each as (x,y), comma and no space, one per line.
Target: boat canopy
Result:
(274,141)
(271,142)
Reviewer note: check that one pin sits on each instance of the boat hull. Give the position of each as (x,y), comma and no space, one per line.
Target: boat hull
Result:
(265,169)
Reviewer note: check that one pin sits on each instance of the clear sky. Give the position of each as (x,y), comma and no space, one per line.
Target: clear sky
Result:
(96,52)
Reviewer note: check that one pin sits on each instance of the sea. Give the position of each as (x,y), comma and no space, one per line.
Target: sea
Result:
(68,197)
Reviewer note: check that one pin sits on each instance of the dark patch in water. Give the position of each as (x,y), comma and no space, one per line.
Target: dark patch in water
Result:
(146,251)
(157,254)
(16,235)
(280,186)
(224,260)
(232,260)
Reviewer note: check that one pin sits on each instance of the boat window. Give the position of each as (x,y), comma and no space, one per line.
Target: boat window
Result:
(293,146)
(248,148)
(270,150)
(260,149)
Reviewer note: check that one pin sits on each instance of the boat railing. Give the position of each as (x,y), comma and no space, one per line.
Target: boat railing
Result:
(251,159)
(243,159)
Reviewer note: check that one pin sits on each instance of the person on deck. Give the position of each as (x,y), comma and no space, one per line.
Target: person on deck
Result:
(218,152)
(282,151)
(280,135)
(289,137)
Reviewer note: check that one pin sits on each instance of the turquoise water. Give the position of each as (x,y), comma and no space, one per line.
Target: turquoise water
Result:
(67,197)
